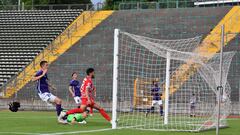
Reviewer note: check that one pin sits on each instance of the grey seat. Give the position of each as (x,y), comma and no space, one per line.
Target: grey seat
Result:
(24,34)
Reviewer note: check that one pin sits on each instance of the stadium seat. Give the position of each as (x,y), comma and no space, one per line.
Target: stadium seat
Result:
(24,34)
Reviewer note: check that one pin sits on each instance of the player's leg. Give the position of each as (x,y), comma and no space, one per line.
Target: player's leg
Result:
(160,107)
(91,111)
(151,109)
(77,101)
(82,108)
(102,111)
(58,103)
(54,100)
(191,110)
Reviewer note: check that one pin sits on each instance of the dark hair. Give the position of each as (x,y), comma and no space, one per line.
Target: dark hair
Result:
(42,63)
(89,70)
(74,73)
(153,82)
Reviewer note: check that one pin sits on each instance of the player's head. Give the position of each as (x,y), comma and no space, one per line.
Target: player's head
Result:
(44,64)
(74,75)
(85,114)
(193,94)
(90,72)
(155,83)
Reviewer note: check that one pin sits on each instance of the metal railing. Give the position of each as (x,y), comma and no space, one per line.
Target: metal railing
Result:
(48,51)
(171,4)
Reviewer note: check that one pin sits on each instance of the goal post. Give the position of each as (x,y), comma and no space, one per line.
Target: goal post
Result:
(167,88)
(115,79)
(186,80)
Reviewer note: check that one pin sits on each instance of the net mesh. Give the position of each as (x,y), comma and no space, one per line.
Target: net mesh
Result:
(142,60)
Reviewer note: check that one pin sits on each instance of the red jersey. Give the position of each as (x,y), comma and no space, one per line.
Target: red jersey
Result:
(87,84)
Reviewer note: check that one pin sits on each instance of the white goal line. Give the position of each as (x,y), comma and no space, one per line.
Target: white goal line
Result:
(58,133)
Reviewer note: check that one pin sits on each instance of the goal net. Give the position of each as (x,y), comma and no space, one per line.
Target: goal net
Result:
(187,84)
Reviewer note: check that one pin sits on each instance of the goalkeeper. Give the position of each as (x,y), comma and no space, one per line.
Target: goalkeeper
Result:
(76,118)
(156,95)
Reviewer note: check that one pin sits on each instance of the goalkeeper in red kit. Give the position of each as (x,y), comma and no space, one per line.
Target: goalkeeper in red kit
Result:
(87,92)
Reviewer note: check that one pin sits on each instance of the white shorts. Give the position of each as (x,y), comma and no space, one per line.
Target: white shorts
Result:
(223,98)
(47,97)
(158,102)
(77,100)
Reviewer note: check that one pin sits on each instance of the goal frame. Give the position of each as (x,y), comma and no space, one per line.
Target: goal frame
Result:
(167,81)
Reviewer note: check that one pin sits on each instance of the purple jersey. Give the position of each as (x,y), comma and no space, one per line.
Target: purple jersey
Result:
(42,85)
(76,87)
(155,92)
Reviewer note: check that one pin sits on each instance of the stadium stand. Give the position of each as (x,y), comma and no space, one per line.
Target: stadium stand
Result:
(24,34)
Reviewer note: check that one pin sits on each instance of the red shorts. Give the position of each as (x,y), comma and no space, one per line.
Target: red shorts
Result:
(85,102)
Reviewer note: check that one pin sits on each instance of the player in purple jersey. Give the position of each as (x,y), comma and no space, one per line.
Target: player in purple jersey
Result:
(156,98)
(74,89)
(43,88)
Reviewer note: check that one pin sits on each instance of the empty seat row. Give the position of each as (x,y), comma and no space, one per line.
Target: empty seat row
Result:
(36,21)
(25,42)
(17,56)
(33,22)
(32,27)
(55,30)
(34,18)
(14,63)
(7,73)
(15,60)
(24,34)
(29,35)
(5,76)
(18,50)
(26,39)
(10,69)
(19,34)
(19,47)
(12,44)
(11,66)
(38,13)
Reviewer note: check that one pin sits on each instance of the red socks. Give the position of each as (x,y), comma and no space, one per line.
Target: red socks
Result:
(91,110)
(77,110)
(104,114)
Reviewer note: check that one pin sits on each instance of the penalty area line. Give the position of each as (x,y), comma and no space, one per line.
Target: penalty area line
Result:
(75,132)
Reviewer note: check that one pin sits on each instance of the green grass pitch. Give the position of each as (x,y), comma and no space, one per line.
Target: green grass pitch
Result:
(39,123)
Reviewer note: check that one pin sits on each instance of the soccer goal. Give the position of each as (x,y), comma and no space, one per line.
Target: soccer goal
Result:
(187,82)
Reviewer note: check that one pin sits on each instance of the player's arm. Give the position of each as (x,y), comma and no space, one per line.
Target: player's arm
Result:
(73,121)
(51,86)
(152,91)
(160,92)
(95,92)
(87,94)
(70,88)
(39,76)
